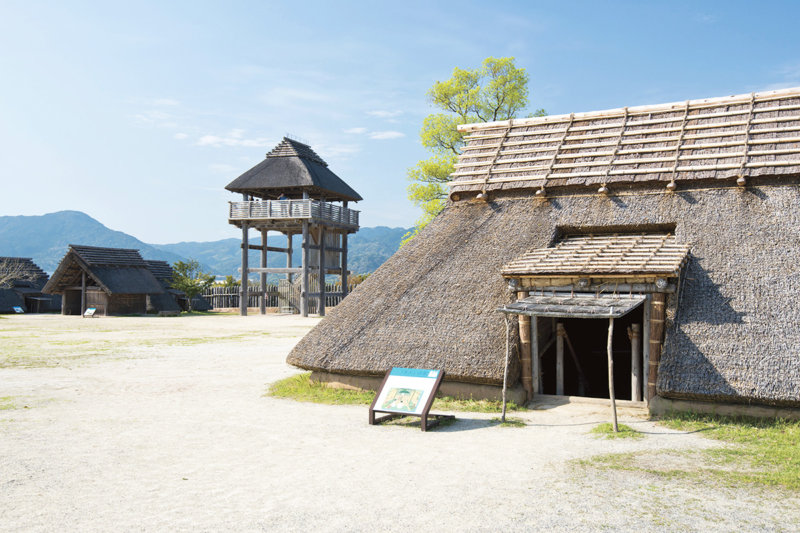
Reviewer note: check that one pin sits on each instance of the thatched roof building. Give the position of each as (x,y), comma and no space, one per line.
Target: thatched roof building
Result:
(689,211)
(22,287)
(115,281)
(292,168)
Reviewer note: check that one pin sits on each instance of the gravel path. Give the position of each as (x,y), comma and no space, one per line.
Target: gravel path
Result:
(154,424)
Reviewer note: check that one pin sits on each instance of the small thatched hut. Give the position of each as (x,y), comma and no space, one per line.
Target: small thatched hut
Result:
(22,283)
(115,281)
(681,219)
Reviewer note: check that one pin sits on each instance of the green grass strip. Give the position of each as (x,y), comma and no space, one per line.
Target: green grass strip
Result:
(302,388)
(607,430)
(767,451)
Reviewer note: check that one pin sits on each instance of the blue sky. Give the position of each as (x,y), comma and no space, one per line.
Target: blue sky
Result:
(139,113)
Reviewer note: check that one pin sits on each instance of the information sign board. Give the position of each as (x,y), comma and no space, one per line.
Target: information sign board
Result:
(18,310)
(407,392)
(90,311)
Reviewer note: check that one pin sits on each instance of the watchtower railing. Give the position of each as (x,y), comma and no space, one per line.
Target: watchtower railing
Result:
(286,209)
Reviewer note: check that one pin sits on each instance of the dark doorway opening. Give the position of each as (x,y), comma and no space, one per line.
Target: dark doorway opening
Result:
(589,337)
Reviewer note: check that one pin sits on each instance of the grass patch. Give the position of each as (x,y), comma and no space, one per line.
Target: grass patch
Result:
(300,387)
(6,403)
(763,452)
(759,453)
(415,422)
(606,430)
(510,422)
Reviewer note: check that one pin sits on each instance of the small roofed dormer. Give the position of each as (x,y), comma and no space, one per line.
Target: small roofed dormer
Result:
(292,191)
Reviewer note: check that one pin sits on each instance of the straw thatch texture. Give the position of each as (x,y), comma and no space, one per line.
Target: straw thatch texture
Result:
(654,254)
(23,271)
(734,337)
(431,305)
(292,168)
(749,135)
(115,270)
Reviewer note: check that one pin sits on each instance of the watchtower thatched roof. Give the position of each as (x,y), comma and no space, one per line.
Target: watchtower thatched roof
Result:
(114,270)
(292,168)
(726,138)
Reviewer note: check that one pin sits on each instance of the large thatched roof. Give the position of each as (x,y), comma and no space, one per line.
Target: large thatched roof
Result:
(713,139)
(115,270)
(292,168)
(734,337)
(732,333)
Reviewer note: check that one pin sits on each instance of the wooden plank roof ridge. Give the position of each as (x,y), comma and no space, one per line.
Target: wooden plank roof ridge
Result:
(612,254)
(744,135)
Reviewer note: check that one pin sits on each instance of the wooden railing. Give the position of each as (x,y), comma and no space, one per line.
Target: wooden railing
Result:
(228,297)
(282,209)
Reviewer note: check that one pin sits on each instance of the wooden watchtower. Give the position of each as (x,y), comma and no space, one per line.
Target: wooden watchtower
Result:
(294,192)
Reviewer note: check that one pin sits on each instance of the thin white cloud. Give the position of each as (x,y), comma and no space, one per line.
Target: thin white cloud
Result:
(180,136)
(235,137)
(383,135)
(153,117)
(356,131)
(336,151)
(384,114)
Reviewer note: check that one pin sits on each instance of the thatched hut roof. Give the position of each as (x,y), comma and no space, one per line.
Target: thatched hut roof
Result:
(712,139)
(161,270)
(115,270)
(292,168)
(28,273)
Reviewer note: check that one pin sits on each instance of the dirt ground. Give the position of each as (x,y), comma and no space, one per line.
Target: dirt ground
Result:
(161,424)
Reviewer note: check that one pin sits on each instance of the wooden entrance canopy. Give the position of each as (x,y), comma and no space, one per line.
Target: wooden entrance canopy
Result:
(578,305)
(588,276)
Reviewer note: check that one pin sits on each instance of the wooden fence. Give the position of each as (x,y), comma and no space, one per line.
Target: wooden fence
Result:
(283,296)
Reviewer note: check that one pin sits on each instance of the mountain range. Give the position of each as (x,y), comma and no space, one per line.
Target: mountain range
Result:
(45,238)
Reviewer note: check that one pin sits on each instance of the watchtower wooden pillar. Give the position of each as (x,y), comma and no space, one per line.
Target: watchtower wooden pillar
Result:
(293,192)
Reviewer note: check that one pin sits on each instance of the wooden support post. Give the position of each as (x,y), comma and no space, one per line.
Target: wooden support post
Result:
(243,291)
(535,362)
(263,303)
(646,345)
(345,281)
(560,359)
(525,350)
(611,374)
(83,292)
(304,279)
(505,368)
(321,305)
(635,334)
(656,333)
(289,256)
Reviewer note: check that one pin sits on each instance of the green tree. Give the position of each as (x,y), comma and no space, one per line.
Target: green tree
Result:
(497,90)
(188,277)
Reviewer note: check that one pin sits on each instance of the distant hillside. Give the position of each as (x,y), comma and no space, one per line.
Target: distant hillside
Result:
(368,249)
(45,238)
